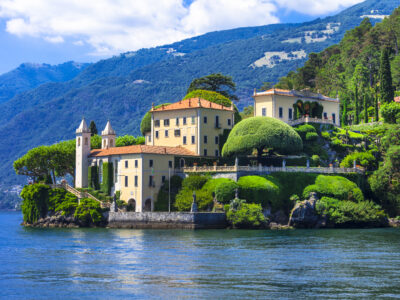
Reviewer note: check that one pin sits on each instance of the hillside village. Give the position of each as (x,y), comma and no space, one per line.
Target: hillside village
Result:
(295,157)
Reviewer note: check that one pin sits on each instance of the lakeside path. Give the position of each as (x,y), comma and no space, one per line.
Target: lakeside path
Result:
(113,263)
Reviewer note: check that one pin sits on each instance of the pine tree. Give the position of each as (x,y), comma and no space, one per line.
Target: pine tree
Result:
(365,109)
(385,76)
(344,112)
(93,128)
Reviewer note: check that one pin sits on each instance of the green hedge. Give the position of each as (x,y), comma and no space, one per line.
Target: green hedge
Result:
(194,182)
(89,212)
(225,190)
(335,187)
(162,197)
(256,189)
(302,130)
(108,180)
(35,202)
(365,159)
(93,177)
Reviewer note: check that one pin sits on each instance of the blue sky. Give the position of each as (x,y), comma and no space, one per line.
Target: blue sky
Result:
(55,31)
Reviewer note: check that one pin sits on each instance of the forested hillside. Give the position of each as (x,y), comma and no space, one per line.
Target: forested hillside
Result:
(355,69)
(28,76)
(122,88)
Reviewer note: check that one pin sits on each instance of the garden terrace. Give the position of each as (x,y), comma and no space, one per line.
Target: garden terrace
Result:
(306,119)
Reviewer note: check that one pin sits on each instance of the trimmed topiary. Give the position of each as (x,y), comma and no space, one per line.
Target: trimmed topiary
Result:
(194,182)
(335,187)
(262,133)
(302,130)
(256,189)
(225,191)
(311,136)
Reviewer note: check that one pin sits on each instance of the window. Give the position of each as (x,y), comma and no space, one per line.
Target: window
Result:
(150,163)
(217,122)
(193,139)
(325,115)
(280,112)
(79,141)
(229,122)
(111,143)
(205,152)
(136,180)
(166,122)
(149,138)
(136,163)
(104,143)
(126,164)
(216,153)
(163,179)
(205,139)
(290,113)
(157,134)
(177,121)
(126,181)
(205,120)
(216,140)
(177,132)
(86,141)
(184,140)
(157,123)
(264,111)
(166,133)
(184,120)
(193,120)
(151,180)
(334,118)
(170,164)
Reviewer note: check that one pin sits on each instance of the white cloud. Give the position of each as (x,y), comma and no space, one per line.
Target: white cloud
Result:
(114,26)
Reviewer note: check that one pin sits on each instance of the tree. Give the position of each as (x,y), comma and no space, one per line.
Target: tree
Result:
(247,112)
(365,109)
(262,133)
(266,86)
(385,76)
(215,82)
(344,113)
(93,128)
(359,82)
(145,124)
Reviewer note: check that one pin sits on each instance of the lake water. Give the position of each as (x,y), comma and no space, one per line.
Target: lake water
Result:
(213,264)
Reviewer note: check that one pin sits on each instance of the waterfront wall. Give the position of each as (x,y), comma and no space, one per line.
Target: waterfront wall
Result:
(166,220)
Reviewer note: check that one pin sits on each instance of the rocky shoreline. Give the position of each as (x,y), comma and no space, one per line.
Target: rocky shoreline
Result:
(55,221)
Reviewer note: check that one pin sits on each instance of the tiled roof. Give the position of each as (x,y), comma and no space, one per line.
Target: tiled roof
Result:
(397,99)
(293,93)
(192,103)
(137,149)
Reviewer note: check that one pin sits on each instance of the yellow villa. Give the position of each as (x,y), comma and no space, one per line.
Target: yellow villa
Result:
(188,128)
(295,107)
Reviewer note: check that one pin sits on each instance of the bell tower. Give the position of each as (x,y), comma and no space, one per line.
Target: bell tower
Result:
(108,137)
(81,155)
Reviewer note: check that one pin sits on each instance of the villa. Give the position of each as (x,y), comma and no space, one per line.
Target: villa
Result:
(295,107)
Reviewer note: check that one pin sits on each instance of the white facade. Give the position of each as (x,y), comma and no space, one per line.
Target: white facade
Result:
(81,155)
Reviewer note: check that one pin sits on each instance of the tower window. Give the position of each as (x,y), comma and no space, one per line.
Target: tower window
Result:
(79,141)
(334,118)
(104,143)
(111,143)
(86,141)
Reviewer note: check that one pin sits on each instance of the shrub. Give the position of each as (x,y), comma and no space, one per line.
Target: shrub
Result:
(204,200)
(69,205)
(194,182)
(249,215)
(311,136)
(56,197)
(163,195)
(365,159)
(391,112)
(89,212)
(302,130)
(315,160)
(326,135)
(184,200)
(345,213)
(225,191)
(35,202)
(336,187)
(256,189)
(108,173)
(145,124)
(93,177)
(262,133)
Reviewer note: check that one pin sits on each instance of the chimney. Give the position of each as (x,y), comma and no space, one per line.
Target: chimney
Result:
(152,105)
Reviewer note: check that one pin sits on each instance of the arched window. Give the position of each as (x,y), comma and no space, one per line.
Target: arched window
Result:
(111,143)
(79,141)
(86,141)
(147,205)
(131,205)
(104,143)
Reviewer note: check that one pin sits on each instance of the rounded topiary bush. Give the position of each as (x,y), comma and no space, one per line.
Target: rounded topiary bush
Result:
(194,182)
(311,136)
(303,130)
(145,124)
(225,191)
(256,189)
(262,133)
(335,187)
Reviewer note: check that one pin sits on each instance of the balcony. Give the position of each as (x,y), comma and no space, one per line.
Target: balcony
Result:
(306,119)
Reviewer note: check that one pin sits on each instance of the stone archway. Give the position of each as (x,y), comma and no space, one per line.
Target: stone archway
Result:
(131,205)
(147,205)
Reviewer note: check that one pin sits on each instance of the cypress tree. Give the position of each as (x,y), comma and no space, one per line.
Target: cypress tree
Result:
(385,76)
(376,111)
(357,117)
(365,110)
(93,128)
(344,113)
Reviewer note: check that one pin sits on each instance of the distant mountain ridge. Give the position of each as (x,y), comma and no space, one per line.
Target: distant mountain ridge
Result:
(29,76)
(122,88)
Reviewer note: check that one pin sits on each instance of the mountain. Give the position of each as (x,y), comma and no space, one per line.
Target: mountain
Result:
(29,76)
(122,88)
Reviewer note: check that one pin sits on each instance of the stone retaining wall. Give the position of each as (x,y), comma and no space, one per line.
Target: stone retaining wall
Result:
(166,220)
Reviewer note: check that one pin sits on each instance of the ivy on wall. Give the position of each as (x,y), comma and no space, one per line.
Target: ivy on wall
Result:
(107,183)
(93,177)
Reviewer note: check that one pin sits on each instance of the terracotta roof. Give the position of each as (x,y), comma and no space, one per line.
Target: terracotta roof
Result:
(293,93)
(137,149)
(192,103)
(397,99)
